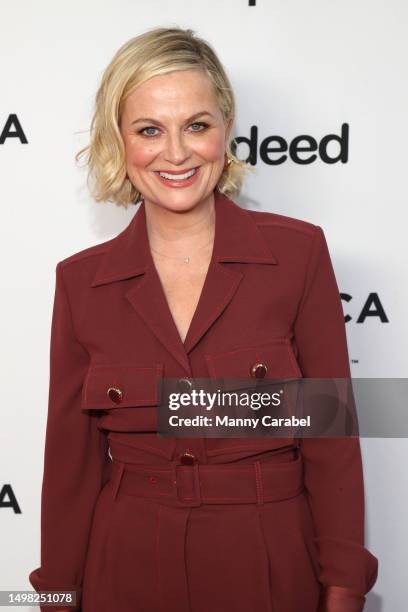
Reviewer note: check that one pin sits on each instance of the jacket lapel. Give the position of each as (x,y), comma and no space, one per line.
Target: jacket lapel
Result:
(237,239)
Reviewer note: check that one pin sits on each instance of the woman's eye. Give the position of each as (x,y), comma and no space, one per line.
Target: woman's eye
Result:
(143,131)
(202,125)
(147,130)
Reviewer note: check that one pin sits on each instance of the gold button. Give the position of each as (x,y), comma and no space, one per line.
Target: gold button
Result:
(259,370)
(115,394)
(184,385)
(187,458)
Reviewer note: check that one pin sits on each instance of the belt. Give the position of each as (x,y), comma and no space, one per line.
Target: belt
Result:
(197,484)
(178,488)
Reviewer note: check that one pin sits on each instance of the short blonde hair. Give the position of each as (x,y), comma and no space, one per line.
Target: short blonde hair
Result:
(157,51)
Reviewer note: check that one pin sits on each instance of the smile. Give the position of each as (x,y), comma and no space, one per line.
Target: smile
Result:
(178,180)
(178,176)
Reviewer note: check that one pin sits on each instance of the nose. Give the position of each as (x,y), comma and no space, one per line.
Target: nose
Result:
(177,149)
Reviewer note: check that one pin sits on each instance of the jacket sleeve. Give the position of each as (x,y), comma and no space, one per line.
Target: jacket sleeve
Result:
(333,474)
(74,456)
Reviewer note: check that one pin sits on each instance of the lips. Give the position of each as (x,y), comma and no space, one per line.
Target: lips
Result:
(177,183)
(178,171)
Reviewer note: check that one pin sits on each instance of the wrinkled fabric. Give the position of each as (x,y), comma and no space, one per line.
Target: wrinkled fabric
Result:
(340,599)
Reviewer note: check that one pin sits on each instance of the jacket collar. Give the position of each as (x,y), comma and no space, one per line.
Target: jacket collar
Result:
(237,239)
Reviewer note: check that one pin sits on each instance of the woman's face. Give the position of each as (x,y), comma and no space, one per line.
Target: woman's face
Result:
(172,123)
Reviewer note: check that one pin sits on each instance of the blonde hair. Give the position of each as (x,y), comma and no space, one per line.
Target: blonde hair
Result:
(155,52)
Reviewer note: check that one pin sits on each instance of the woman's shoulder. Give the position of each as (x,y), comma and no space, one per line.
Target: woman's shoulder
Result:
(79,268)
(282,223)
(287,234)
(94,251)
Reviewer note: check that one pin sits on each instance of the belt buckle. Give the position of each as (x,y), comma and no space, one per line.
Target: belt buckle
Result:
(191,473)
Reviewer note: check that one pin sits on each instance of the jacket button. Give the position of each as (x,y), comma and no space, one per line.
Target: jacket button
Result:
(115,394)
(184,385)
(187,458)
(258,370)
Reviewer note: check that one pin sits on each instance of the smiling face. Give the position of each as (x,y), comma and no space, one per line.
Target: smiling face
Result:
(172,124)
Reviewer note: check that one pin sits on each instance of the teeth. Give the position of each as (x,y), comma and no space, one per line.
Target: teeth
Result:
(177,177)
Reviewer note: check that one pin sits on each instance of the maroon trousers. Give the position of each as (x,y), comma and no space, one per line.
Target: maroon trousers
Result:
(192,538)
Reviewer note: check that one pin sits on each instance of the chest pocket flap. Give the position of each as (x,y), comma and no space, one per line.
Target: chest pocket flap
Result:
(270,360)
(110,386)
(244,367)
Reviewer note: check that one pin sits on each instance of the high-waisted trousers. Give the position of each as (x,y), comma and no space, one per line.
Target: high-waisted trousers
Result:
(234,537)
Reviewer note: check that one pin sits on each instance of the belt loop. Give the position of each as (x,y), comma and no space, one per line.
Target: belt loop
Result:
(258,483)
(192,472)
(118,479)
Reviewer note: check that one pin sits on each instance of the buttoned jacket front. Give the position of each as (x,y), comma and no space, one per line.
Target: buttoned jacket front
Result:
(270,296)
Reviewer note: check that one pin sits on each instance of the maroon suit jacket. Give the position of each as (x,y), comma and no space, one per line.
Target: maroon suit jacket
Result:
(270,292)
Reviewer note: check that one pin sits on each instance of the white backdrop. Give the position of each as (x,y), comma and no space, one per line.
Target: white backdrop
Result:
(298,69)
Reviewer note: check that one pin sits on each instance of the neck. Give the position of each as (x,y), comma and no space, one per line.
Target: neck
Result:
(177,232)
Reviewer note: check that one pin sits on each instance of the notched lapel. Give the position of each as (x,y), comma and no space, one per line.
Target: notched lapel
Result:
(237,239)
(148,299)
(218,290)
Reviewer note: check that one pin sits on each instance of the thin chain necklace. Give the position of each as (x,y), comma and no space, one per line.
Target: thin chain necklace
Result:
(184,259)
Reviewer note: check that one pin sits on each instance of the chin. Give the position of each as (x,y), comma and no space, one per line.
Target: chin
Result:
(180,202)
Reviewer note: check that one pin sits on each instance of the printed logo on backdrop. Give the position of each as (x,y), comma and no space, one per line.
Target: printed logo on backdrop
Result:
(304,149)
(12,129)
(372,307)
(8,499)
(368,309)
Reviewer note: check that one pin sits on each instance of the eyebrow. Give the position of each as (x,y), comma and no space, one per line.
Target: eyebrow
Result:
(149,119)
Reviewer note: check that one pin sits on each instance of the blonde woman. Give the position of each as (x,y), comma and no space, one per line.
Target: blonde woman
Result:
(194,287)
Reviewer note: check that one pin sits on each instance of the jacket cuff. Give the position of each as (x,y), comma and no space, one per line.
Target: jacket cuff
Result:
(43,584)
(340,599)
(346,564)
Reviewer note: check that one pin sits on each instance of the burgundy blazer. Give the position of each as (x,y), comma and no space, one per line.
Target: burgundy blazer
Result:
(271,294)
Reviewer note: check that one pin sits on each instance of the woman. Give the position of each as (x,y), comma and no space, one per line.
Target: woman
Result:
(194,287)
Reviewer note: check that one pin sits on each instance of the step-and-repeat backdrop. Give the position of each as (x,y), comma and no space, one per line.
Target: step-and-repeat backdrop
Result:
(328,77)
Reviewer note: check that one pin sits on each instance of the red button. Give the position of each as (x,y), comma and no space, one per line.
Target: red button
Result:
(115,394)
(184,385)
(187,458)
(258,370)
